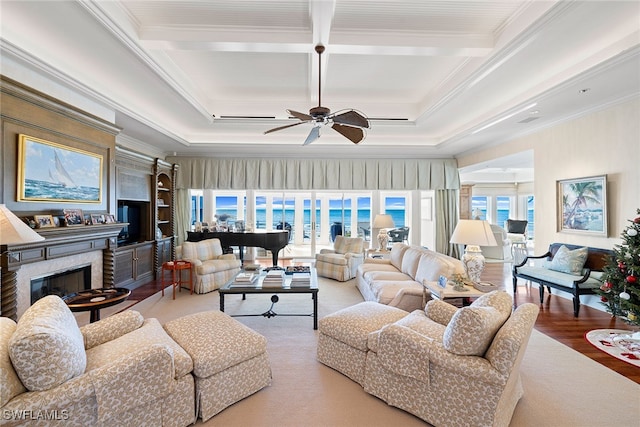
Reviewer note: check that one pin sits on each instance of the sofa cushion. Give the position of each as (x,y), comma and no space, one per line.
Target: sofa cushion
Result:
(147,335)
(431,267)
(568,261)
(216,265)
(471,330)
(338,259)
(500,300)
(410,261)
(343,245)
(11,385)
(440,311)
(47,348)
(203,250)
(396,255)
(386,290)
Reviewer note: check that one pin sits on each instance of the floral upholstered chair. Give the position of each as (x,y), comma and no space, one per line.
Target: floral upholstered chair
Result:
(341,262)
(451,366)
(121,370)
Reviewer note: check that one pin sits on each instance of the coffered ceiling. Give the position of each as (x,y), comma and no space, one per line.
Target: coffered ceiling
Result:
(436,78)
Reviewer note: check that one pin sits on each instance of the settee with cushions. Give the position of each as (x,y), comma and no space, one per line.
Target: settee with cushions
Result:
(124,370)
(569,268)
(398,280)
(211,267)
(449,366)
(341,262)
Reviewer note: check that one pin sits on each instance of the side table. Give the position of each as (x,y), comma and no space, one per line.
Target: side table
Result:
(374,253)
(448,292)
(175,268)
(95,299)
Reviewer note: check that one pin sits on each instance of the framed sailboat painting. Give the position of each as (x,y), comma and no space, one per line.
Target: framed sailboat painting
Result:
(51,172)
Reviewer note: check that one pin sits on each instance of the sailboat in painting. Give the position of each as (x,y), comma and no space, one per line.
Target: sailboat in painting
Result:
(59,175)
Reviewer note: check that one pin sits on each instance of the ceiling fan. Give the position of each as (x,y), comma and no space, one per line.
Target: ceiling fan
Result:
(349,123)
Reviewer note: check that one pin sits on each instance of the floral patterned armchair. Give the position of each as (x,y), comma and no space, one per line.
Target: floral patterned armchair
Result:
(450,366)
(122,370)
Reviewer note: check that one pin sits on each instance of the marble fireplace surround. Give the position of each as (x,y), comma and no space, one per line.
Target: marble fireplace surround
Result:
(63,249)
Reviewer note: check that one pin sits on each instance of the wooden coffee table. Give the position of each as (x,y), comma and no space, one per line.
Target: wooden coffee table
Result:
(256,287)
(94,300)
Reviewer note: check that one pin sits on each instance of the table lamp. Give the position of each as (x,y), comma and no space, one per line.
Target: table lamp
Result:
(382,222)
(12,232)
(473,233)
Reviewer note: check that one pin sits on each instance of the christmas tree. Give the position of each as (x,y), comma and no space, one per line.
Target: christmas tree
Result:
(620,291)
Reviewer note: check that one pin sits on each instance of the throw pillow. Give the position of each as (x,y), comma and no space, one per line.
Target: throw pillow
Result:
(569,261)
(10,383)
(47,348)
(471,330)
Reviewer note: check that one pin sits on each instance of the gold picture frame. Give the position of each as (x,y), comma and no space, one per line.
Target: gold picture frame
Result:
(44,221)
(52,172)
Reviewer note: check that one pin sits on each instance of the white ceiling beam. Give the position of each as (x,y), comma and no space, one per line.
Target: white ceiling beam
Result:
(321,14)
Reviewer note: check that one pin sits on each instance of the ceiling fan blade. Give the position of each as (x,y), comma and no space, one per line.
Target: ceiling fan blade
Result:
(354,134)
(351,118)
(283,127)
(313,135)
(297,115)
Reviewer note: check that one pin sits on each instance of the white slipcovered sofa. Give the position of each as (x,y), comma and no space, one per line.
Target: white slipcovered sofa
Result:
(211,267)
(397,281)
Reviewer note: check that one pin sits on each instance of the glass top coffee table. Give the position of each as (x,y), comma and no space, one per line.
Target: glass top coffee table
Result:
(247,282)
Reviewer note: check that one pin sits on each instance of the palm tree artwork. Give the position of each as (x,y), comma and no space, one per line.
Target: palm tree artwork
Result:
(582,202)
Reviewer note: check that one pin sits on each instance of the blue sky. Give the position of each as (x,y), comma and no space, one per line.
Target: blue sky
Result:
(84,169)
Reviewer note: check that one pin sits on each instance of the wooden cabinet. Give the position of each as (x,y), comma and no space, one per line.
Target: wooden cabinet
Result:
(165,174)
(164,250)
(134,264)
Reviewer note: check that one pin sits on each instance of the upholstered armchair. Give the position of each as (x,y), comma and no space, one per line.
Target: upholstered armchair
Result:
(502,250)
(341,262)
(516,229)
(122,370)
(211,267)
(450,366)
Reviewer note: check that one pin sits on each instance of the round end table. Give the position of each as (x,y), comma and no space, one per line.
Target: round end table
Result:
(95,299)
(175,268)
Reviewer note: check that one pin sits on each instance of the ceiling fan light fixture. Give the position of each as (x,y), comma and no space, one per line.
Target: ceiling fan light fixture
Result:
(349,123)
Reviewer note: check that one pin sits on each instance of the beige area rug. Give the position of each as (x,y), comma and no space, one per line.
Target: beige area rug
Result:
(562,387)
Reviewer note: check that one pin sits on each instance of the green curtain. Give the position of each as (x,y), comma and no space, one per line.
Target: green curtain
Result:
(183,215)
(446,220)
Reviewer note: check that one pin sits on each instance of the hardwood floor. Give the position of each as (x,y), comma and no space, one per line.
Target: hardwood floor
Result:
(555,319)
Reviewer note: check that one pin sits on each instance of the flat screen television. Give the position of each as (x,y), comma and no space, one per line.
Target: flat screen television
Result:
(130,212)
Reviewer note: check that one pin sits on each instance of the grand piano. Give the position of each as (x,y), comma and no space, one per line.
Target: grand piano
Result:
(272,241)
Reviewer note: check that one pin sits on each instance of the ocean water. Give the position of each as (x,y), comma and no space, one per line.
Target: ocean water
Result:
(34,189)
(335,215)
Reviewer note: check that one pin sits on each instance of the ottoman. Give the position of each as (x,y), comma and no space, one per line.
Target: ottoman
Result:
(230,360)
(342,342)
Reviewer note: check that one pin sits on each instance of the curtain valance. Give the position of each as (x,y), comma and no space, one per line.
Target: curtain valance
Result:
(316,174)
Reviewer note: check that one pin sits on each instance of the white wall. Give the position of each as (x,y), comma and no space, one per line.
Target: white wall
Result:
(604,142)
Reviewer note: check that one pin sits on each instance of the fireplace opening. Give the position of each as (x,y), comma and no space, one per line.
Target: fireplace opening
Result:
(64,283)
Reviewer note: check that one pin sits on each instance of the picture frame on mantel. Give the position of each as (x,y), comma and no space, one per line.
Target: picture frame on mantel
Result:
(582,205)
(52,172)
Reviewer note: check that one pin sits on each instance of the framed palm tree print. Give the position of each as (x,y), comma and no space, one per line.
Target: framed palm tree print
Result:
(582,205)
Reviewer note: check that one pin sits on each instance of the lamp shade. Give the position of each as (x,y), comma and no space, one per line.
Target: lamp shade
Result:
(14,231)
(383,221)
(473,232)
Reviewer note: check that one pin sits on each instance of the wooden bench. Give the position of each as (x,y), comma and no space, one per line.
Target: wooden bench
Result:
(585,283)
